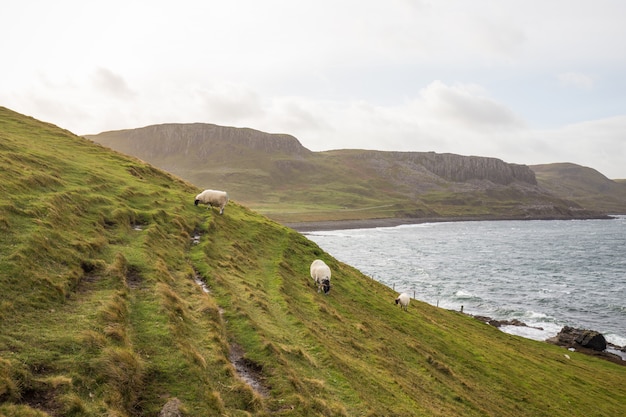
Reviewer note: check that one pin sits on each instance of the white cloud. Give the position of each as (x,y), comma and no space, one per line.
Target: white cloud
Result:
(576,80)
(229,103)
(466,106)
(109,83)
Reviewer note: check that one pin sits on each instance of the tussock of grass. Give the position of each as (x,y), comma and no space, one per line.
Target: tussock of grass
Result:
(123,372)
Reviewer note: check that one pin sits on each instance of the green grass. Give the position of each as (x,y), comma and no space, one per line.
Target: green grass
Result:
(101,313)
(584,186)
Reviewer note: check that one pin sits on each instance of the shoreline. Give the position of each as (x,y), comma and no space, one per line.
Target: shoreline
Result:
(325,225)
(613,353)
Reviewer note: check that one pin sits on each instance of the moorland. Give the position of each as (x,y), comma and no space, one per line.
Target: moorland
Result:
(122,298)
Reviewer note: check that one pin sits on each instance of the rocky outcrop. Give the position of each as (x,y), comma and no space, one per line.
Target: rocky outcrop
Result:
(575,338)
(589,342)
(500,323)
(171,409)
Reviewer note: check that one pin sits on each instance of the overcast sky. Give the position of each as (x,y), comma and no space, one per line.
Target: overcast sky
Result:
(526,81)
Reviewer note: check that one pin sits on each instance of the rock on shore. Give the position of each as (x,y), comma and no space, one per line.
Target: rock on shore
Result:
(589,342)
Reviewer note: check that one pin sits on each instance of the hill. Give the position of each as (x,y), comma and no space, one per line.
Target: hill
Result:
(122,298)
(585,186)
(277,176)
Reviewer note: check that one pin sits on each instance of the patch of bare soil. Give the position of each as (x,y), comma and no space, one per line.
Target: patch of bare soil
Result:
(134,278)
(249,371)
(43,400)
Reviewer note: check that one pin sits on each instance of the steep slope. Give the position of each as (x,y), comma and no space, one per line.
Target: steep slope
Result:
(585,186)
(120,297)
(277,176)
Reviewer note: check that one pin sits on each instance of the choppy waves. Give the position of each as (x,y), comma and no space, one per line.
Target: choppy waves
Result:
(545,273)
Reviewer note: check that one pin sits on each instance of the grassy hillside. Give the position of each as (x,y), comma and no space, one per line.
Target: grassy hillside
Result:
(276,176)
(120,296)
(585,186)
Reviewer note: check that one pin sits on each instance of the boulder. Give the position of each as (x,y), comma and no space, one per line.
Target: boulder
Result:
(572,337)
(588,342)
(592,340)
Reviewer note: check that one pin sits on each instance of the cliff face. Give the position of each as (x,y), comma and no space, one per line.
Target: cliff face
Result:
(450,167)
(460,168)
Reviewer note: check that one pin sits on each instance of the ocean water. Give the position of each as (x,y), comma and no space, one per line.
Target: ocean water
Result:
(547,274)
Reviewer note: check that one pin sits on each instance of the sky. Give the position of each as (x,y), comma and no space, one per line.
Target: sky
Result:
(525,81)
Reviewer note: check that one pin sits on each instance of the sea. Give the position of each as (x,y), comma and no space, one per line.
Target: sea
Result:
(545,273)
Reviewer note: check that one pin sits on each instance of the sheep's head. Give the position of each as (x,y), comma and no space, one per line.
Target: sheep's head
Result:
(326,285)
(397,300)
(196,202)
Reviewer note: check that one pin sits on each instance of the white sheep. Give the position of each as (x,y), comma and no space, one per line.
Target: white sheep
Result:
(320,272)
(213,198)
(403,299)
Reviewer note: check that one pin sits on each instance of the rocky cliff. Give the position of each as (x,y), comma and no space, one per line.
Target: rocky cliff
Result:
(459,168)
(450,167)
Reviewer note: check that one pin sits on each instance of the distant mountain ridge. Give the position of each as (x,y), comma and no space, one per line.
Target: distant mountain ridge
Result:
(201,140)
(276,175)
(198,140)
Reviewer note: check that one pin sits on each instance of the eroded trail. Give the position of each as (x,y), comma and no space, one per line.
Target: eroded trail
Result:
(249,371)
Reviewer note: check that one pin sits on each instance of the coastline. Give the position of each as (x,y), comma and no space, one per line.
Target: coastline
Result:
(316,226)
(613,353)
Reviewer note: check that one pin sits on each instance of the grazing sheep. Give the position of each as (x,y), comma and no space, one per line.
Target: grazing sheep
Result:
(403,299)
(320,272)
(213,198)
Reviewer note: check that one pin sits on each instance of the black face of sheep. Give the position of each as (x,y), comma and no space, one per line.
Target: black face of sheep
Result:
(326,286)
(196,202)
